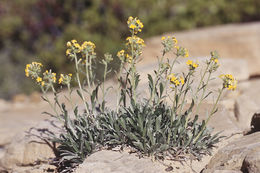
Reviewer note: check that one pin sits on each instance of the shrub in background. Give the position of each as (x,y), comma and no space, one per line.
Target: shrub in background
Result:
(151,126)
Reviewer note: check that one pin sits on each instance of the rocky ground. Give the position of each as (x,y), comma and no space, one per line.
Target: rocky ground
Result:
(239,151)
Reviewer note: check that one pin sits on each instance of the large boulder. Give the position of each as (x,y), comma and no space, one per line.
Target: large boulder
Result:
(231,41)
(241,154)
(29,148)
(247,104)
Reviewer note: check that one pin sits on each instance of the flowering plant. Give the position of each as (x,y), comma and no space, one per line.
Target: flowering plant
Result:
(151,126)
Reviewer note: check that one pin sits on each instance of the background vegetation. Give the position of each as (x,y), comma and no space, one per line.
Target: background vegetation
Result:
(37,30)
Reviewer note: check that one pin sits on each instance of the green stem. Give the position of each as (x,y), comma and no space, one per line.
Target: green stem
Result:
(70,99)
(203,93)
(79,84)
(103,85)
(119,87)
(185,92)
(170,71)
(90,70)
(133,71)
(87,69)
(156,78)
(51,105)
(202,78)
(176,101)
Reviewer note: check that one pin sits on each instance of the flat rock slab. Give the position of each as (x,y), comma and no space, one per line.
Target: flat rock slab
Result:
(241,154)
(116,162)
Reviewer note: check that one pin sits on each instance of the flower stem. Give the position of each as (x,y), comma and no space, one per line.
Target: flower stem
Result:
(79,84)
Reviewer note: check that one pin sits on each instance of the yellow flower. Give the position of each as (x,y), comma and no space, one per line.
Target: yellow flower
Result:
(69,44)
(68,52)
(175,40)
(129,19)
(182,80)
(174,80)
(77,45)
(229,81)
(135,25)
(129,58)
(121,53)
(73,41)
(189,62)
(42,83)
(54,77)
(39,79)
(192,65)
(186,53)
(132,26)
(163,38)
(88,47)
(27,72)
(61,78)
(33,69)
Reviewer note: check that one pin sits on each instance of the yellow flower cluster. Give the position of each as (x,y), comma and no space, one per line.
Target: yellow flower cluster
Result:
(181,51)
(65,79)
(174,80)
(229,81)
(169,43)
(214,57)
(135,44)
(88,47)
(135,40)
(33,69)
(192,65)
(135,24)
(48,75)
(74,47)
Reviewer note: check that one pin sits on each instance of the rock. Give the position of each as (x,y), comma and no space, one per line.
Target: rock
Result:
(22,151)
(27,149)
(236,41)
(226,171)
(255,122)
(222,121)
(247,104)
(19,98)
(116,162)
(35,97)
(242,153)
(251,163)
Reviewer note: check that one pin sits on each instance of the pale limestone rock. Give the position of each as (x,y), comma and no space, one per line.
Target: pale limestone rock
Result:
(22,151)
(236,41)
(26,149)
(247,104)
(242,153)
(226,171)
(251,163)
(116,162)
(222,121)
